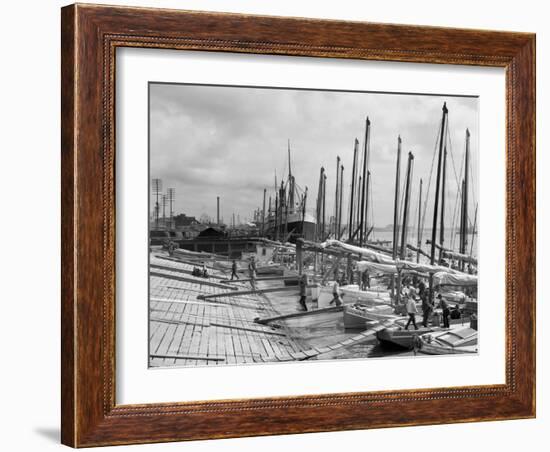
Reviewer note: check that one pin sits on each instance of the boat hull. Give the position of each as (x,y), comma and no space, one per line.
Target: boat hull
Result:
(399,337)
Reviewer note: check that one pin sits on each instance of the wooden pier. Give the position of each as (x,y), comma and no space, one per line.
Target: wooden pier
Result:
(204,322)
(187,331)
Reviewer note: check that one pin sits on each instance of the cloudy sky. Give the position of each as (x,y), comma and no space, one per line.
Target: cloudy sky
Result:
(208,141)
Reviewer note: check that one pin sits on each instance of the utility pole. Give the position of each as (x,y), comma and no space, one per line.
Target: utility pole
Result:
(218,210)
(171,200)
(164,199)
(157,191)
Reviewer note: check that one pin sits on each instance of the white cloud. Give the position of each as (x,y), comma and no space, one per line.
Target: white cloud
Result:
(211,141)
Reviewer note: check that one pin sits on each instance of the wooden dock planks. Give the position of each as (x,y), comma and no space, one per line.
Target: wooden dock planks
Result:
(188,330)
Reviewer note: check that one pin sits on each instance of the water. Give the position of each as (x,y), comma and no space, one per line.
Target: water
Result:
(450,238)
(324,329)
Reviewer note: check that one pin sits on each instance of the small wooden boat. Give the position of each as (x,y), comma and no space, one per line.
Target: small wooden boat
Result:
(359,316)
(291,277)
(449,342)
(270,268)
(351,294)
(400,337)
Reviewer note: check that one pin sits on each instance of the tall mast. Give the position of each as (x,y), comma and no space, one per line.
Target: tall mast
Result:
(442,224)
(263,214)
(304,201)
(418,233)
(319,205)
(438,180)
(268,213)
(464,243)
(323,229)
(461,230)
(340,202)
(396,200)
(363,189)
(473,231)
(367,208)
(336,198)
(406,206)
(290,180)
(352,192)
(276,215)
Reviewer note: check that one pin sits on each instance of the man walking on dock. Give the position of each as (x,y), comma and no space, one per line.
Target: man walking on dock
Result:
(303,291)
(411,311)
(234,270)
(336,294)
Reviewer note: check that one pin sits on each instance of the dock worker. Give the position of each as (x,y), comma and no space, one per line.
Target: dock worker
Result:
(411,312)
(365,280)
(234,270)
(455,313)
(336,298)
(252,272)
(303,292)
(446,311)
(427,307)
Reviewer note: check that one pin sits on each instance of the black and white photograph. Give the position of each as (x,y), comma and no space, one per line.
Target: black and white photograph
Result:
(291,225)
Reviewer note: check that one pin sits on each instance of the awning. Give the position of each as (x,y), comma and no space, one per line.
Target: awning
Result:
(454,279)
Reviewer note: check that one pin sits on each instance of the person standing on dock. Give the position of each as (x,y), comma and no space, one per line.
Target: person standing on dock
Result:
(411,311)
(336,294)
(446,311)
(234,270)
(303,292)
(427,305)
(252,272)
(365,280)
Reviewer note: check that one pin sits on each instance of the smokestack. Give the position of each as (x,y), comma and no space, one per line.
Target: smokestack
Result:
(218,210)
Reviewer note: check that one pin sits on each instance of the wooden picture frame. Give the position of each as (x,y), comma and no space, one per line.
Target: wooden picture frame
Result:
(90,35)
